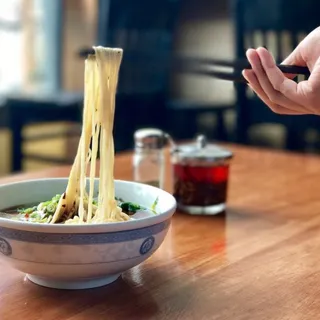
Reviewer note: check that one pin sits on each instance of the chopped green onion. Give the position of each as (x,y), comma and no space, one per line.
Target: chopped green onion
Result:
(51,207)
(153,206)
(56,198)
(27,210)
(34,215)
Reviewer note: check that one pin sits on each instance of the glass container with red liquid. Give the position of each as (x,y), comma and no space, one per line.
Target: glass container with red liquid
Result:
(201,173)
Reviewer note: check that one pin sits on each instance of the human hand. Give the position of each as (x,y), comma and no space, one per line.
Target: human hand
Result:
(279,91)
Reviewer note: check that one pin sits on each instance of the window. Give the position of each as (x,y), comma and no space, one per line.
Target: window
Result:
(30,45)
(11,64)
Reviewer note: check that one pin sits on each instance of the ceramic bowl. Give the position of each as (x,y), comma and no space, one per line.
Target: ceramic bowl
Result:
(80,256)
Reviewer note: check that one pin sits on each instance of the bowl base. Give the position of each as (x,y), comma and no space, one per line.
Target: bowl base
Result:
(73,284)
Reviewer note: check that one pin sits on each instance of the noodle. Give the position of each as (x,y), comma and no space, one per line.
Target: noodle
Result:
(76,205)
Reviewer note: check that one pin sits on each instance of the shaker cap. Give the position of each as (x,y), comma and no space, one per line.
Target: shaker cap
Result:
(150,138)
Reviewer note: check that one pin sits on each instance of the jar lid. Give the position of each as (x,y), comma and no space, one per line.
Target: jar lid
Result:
(201,150)
(150,138)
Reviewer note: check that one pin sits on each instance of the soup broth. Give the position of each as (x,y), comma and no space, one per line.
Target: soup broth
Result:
(41,212)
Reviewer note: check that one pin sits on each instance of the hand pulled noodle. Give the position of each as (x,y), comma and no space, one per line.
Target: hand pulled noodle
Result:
(76,205)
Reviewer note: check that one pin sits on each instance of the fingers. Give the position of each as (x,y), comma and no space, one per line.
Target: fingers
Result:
(282,86)
(275,98)
(254,84)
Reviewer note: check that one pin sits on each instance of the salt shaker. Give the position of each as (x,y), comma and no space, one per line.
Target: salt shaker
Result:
(148,158)
(201,172)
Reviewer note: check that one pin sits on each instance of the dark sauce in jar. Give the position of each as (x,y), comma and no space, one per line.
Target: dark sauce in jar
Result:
(200,186)
(201,173)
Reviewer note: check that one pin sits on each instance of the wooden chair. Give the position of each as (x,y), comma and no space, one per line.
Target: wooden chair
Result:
(279,25)
(22,110)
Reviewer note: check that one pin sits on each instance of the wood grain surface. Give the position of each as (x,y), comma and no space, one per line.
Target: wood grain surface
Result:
(259,260)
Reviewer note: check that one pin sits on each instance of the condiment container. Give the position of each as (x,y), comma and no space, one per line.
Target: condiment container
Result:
(201,174)
(148,157)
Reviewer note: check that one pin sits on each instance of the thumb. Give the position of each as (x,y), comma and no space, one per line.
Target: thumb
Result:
(295,58)
(314,79)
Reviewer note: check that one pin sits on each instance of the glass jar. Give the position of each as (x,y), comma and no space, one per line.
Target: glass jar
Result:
(201,173)
(148,157)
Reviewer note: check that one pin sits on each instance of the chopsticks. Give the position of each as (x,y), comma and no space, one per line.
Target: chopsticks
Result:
(239,65)
(203,66)
(244,64)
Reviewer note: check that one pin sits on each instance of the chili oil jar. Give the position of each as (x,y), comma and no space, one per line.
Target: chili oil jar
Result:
(200,175)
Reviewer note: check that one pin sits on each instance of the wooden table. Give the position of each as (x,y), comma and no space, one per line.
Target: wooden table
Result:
(258,261)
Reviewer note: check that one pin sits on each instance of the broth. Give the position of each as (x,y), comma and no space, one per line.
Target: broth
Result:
(14,213)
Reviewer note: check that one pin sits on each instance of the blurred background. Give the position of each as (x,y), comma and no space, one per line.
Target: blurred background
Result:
(41,72)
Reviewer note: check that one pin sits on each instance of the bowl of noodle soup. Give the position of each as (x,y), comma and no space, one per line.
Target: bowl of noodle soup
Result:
(76,232)
(79,256)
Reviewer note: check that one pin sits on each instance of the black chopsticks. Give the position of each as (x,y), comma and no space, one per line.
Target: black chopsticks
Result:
(236,76)
(204,66)
(242,64)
